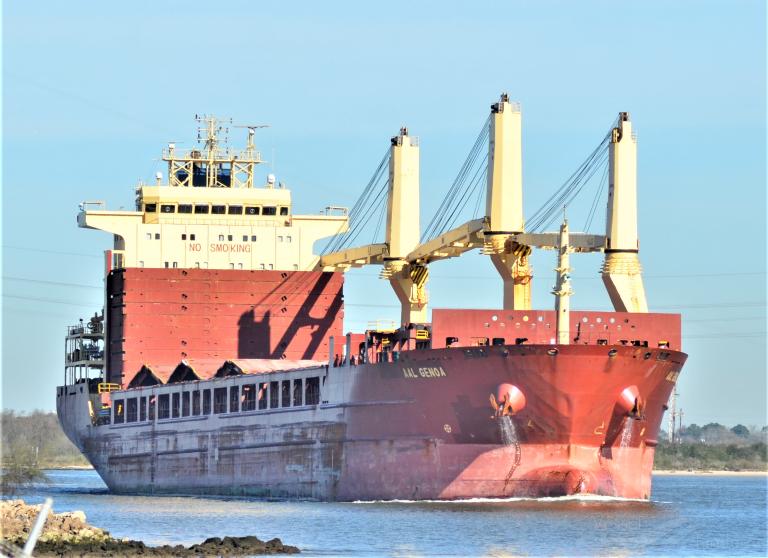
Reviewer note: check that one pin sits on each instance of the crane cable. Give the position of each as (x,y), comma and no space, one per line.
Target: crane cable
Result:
(572,187)
(452,205)
(366,204)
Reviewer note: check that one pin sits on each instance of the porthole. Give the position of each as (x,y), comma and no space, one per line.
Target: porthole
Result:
(552,352)
(612,353)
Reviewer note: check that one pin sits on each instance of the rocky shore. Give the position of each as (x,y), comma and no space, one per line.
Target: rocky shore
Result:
(69,534)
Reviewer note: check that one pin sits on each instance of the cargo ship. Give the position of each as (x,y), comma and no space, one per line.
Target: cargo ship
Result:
(219,363)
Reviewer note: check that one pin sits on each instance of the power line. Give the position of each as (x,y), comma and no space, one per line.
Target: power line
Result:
(47,300)
(727,335)
(26,249)
(57,283)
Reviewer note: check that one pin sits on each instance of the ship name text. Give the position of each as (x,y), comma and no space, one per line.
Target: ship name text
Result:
(425,372)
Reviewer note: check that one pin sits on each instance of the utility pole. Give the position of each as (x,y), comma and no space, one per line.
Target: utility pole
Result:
(680,427)
(672,415)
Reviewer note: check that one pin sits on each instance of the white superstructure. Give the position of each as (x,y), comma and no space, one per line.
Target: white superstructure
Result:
(210,215)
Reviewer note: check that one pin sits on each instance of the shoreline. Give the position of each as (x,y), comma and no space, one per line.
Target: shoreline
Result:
(709,472)
(655,472)
(659,472)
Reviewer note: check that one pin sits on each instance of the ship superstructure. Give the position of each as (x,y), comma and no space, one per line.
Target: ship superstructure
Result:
(226,369)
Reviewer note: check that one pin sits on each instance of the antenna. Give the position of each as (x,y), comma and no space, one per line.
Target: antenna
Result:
(251,133)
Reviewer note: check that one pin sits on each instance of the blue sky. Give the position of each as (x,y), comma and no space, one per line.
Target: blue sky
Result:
(91,93)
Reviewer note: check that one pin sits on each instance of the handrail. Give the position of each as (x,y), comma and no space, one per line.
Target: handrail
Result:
(105,387)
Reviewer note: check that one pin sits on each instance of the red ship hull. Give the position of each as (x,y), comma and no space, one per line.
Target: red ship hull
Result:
(412,423)
(572,436)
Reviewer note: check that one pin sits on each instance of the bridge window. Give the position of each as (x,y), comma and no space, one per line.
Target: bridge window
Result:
(312,391)
(192,237)
(269,210)
(297,392)
(252,210)
(196,403)
(150,207)
(283,211)
(206,402)
(235,210)
(152,405)
(218,209)
(175,405)
(234,399)
(229,237)
(132,410)
(185,208)
(167,208)
(183,236)
(185,404)
(498,341)
(157,236)
(119,411)
(163,406)
(249,397)
(253,238)
(451,341)
(245,238)
(201,209)
(263,391)
(149,236)
(274,395)
(219,400)
(221,238)
(142,409)
(285,398)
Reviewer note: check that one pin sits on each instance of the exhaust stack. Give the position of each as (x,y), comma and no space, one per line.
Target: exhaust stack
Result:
(622,273)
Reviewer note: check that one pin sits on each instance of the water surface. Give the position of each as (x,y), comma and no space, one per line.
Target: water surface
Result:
(705,515)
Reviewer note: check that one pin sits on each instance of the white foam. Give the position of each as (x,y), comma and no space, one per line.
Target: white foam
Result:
(546,499)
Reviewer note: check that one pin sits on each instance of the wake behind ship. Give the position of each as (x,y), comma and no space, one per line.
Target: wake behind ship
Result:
(220,365)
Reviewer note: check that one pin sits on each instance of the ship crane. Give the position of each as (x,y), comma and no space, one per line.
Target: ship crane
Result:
(501,233)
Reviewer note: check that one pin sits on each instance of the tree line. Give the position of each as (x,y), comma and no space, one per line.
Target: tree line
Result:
(36,439)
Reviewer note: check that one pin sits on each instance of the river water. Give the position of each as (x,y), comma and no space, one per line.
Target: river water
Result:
(704,515)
